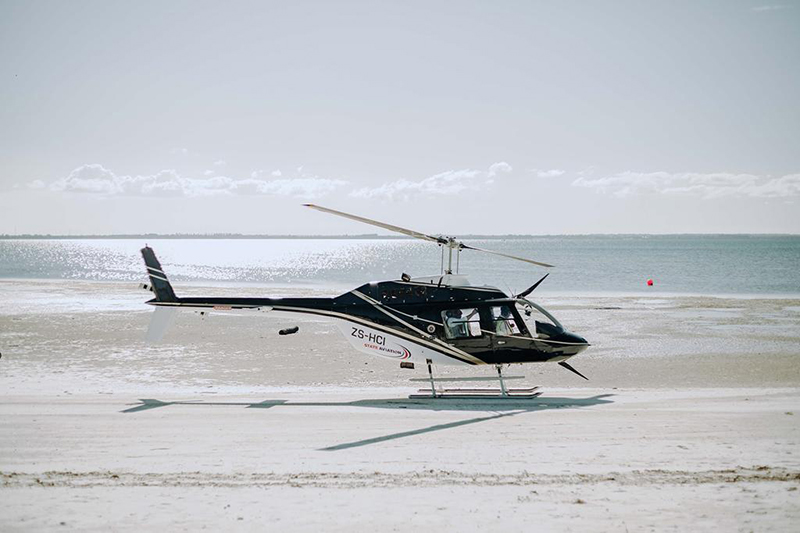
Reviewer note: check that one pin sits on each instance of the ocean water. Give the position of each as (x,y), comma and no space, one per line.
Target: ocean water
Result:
(590,265)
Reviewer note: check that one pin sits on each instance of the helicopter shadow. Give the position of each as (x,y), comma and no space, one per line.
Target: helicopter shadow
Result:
(499,408)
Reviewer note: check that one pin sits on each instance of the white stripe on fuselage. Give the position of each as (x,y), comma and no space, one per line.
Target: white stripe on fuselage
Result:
(447,350)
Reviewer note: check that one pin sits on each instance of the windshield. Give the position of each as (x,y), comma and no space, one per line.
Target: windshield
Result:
(539,321)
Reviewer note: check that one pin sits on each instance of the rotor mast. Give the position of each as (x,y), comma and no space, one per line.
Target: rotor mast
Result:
(452,244)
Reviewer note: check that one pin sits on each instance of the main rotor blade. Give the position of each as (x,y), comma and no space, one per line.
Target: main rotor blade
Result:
(418,235)
(531,261)
(398,229)
(532,288)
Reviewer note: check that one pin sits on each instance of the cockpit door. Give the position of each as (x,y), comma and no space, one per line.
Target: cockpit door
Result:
(464,329)
(506,326)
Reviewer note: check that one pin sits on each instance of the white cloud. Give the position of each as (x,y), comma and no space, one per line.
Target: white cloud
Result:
(179,151)
(220,163)
(774,7)
(496,168)
(277,173)
(713,185)
(96,179)
(300,187)
(91,179)
(552,173)
(37,184)
(445,183)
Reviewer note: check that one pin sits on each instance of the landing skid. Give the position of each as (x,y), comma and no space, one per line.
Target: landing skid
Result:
(503,393)
(464,394)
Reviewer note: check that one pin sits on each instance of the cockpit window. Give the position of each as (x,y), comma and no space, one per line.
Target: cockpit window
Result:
(461,323)
(539,321)
(503,321)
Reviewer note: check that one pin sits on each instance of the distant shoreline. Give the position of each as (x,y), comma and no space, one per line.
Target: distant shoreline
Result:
(366,236)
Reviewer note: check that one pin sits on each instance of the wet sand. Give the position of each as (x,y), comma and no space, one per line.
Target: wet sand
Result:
(689,421)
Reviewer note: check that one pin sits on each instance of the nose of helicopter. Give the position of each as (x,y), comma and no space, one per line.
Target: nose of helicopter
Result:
(576,340)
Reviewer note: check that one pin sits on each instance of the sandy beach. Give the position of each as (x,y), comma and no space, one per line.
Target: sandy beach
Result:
(689,420)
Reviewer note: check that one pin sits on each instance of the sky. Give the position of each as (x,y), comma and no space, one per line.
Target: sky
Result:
(446,117)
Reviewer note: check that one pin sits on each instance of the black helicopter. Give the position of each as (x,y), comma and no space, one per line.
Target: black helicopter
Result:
(438,319)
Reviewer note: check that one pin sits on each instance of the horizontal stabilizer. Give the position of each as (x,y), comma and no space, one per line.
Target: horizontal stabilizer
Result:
(162,318)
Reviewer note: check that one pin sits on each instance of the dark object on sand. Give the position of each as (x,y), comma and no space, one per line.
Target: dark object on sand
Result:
(289,331)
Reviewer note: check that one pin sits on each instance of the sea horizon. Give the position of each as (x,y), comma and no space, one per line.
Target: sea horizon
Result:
(46,236)
(695,264)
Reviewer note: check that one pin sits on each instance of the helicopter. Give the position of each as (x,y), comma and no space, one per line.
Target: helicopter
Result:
(433,320)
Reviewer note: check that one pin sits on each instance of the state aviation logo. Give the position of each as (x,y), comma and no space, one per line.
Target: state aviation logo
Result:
(387,351)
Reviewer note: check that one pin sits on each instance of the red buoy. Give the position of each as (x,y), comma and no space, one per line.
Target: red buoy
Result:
(650,282)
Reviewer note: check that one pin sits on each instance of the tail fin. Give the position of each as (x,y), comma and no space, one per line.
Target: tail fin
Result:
(161,287)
